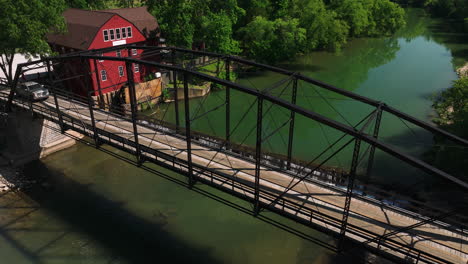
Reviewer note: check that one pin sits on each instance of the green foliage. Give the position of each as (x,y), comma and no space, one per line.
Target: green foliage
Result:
(217,29)
(176,20)
(326,24)
(456,9)
(387,18)
(451,8)
(452,106)
(166,94)
(452,109)
(273,41)
(128,3)
(184,22)
(273,30)
(88,4)
(356,14)
(323,28)
(24,26)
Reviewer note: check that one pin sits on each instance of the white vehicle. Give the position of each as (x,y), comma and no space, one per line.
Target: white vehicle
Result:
(32,91)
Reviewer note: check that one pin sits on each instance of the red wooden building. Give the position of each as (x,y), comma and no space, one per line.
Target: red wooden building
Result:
(89,30)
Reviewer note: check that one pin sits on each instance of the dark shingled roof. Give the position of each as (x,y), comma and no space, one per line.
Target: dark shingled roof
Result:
(141,18)
(83,25)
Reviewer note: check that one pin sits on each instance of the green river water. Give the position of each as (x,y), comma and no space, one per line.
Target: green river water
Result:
(100,209)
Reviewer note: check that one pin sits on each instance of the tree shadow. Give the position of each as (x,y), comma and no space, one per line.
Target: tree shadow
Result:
(462,53)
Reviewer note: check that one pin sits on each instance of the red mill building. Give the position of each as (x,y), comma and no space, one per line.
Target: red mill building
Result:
(89,30)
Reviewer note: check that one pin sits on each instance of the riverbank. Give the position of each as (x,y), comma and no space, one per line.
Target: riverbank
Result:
(12,178)
(463,71)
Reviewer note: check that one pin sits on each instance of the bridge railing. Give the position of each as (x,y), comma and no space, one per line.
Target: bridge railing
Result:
(361,139)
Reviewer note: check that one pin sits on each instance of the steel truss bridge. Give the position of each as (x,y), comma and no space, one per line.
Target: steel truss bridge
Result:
(339,201)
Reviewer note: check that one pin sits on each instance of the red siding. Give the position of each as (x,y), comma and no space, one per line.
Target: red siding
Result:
(114,80)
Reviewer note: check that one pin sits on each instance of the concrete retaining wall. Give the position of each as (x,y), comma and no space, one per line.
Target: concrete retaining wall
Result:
(24,138)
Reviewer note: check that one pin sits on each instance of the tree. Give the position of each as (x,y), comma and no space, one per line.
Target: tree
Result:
(356,14)
(176,19)
(184,22)
(324,29)
(452,109)
(88,4)
(387,18)
(127,3)
(217,30)
(257,24)
(273,41)
(24,26)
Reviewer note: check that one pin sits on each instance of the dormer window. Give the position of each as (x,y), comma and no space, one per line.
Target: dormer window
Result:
(106,35)
(124,33)
(129,32)
(112,35)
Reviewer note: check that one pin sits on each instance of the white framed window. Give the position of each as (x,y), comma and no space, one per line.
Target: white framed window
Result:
(117,33)
(121,71)
(136,67)
(118,53)
(129,32)
(100,54)
(124,33)
(112,35)
(134,52)
(105,33)
(103,75)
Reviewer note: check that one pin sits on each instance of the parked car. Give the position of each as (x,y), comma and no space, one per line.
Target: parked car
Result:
(32,91)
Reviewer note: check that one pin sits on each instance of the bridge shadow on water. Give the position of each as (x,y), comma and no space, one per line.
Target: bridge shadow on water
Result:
(124,235)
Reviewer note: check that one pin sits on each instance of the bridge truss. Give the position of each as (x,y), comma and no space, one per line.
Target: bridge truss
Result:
(271,178)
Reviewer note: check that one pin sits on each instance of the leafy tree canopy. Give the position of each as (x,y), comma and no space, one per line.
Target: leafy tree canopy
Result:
(24,26)
(327,23)
(275,40)
(452,109)
(185,22)
(88,4)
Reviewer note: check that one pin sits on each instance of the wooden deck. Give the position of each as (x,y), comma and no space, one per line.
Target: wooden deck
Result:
(308,202)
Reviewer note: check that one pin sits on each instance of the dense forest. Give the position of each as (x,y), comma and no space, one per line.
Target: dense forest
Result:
(265,30)
(274,30)
(456,9)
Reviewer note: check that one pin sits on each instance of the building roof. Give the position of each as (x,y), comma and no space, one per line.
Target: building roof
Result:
(83,25)
(140,17)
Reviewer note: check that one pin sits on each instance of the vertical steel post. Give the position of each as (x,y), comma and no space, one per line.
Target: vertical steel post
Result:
(89,91)
(291,123)
(258,154)
(228,103)
(370,162)
(133,107)
(176,99)
(98,81)
(57,108)
(187,131)
(349,191)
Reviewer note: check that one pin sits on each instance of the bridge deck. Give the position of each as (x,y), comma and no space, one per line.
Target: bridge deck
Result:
(237,175)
